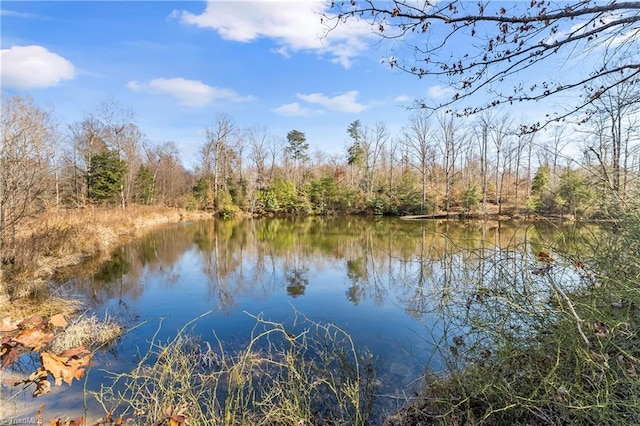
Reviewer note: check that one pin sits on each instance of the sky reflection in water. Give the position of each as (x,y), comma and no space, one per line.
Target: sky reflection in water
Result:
(392,285)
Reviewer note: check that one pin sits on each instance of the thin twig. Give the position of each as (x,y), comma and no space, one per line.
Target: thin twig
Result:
(571,308)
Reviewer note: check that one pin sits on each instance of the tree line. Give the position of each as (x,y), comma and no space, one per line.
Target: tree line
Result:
(437,162)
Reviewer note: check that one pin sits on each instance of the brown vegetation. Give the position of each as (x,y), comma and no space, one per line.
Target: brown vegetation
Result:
(56,239)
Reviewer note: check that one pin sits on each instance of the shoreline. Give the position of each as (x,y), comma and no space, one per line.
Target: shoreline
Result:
(433,402)
(80,235)
(66,238)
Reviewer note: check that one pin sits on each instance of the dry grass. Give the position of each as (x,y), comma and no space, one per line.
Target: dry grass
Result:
(312,378)
(88,332)
(26,308)
(59,234)
(61,238)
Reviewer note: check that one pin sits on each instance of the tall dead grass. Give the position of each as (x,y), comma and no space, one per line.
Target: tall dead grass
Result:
(59,238)
(314,377)
(87,331)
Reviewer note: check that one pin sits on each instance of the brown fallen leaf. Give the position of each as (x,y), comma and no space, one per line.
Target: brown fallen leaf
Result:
(39,419)
(77,365)
(39,377)
(177,419)
(58,321)
(7,325)
(76,422)
(43,387)
(74,352)
(33,338)
(12,382)
(108,420)
(10,356)
(33,320)
(39,374)
(56,366)
(544,257)
(36,376)
(601,329)
(601,359)
(64,368)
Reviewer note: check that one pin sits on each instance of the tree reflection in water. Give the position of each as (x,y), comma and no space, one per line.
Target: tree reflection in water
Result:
(418,293)
(420,265)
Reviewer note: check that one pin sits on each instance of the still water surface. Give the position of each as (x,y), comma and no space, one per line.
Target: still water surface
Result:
(391,284)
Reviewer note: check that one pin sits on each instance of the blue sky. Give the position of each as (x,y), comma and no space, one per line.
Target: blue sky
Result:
(178,64)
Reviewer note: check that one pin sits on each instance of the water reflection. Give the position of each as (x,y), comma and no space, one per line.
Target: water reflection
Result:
(414,265)
(404,289)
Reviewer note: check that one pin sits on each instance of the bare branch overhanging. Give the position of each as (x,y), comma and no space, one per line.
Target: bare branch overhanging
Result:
(511,37)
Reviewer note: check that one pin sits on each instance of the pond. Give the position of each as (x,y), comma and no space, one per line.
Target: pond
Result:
(401,289)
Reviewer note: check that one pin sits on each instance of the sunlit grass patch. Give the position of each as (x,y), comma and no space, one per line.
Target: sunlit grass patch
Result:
(56,239)
(87,331)
(42,305)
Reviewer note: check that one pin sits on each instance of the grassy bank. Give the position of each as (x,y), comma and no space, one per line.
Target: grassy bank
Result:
(571,357)
(62,238)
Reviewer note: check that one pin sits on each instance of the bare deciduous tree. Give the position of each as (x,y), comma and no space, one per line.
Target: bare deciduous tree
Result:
(419,144)
(217,152)
(124,137)
(486,121)
(258,138)
(374,146)
(86,139)
(477,46)
(451,141)
(619,108)
(25,152)
(499,135)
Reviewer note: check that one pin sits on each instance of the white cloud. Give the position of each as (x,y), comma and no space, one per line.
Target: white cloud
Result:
(402,99)
(293,110)
(440,92)
(293,25)
(191,93)
(345,102)
(32,67)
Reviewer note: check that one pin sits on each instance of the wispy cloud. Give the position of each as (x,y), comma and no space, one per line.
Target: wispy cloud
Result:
(14,14)
(345,102)
(34,67)
(440,92)
(293,109)
(294,26)
(402,99)
(191,93)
